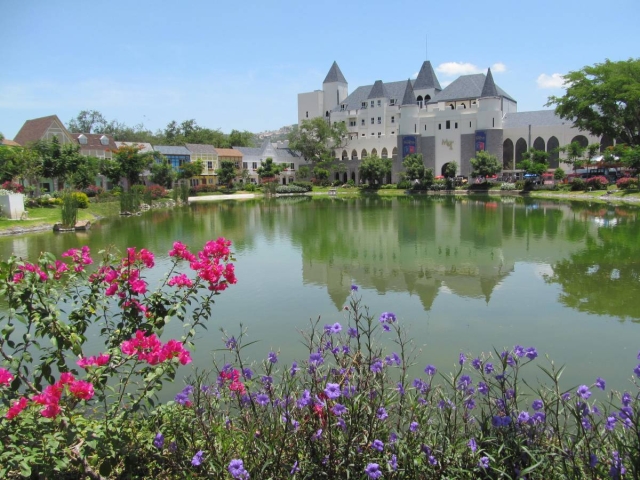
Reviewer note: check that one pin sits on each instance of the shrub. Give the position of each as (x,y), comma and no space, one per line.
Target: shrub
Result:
(290,189)
(578,184)
(137,190)
(12,187)
(81,199)
(155,192)
(519,184)
(93,191)
(404,184)
(308,186)
(203,189)
(508,186)
(438,185)
(627,183)
(251,187)
(599,182)
(351,182)
(69,209)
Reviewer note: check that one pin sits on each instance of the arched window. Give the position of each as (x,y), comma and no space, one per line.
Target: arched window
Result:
(345,156)
(354,155)
(419,101)
(427,98)
(353,176)
(452,106)
(394,153)
(337,176)
(507,154)
(581,139)
(605,142)
(344,177)
(521,147)
(374,152)
(538,144)
(552,150)
(385,153)
(327,114)
(364,153)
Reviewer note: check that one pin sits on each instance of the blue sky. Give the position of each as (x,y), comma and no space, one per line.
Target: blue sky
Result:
(240,65)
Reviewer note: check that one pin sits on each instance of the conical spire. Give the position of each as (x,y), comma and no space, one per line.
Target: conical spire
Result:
(378,90)
(334,75)
(489,89)
(426,78)
(409,97)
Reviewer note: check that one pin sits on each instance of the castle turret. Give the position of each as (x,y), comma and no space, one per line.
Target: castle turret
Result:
(409,111)
(335,89)
(426,85)
(489,105)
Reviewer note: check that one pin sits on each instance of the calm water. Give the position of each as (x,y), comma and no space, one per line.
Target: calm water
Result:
(463,274)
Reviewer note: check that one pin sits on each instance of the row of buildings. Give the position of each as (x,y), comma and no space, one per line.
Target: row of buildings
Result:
(102,146)
(472,113)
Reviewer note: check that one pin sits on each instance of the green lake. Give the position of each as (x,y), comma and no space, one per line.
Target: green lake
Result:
(464,275)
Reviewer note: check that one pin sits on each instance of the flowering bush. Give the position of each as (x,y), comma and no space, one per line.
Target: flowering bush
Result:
(84,408)
(12,187)
(93,191)
(627,183)
(599,182)
(155,192)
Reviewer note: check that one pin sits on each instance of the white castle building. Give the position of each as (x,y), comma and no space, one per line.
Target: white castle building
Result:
(395,119)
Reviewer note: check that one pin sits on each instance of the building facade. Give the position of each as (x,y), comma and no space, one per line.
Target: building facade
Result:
(451,124)
(252,159)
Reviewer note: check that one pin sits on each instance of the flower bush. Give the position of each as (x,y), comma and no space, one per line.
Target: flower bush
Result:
(599,182)
(627,183)
(507,186)
(12,187)
(348,409)
(155,192)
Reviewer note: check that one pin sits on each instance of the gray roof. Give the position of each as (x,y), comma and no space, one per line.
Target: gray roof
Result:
(409,97)
(249,151)
(199,148)
(171,150)
(539,118)
(361,94)
(334,75)
(426,78)
(465,87)
(489,88)
(377,91)
(280,153)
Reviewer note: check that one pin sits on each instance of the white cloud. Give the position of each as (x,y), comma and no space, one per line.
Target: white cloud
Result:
(415,75)
(454,69)
(554,80)
(445,83)
(499,67)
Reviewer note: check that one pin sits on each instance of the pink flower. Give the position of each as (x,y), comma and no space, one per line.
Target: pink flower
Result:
(50,395)
(181,252)
(98,361)
(81,389)
(51,411)
(180,281)
(147,258)
(138,286)
(111,289)
(5,376)
(17,277)
(17,407)
(66,378)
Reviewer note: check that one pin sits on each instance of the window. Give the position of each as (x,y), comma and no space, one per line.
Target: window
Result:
(494,122)
(415,128)
(379,134)
(379,102)
(293,166)
(363,134)
(469,124)
(372,134)
(393,133)
(392,101)
(307,114)
(379,120)
(439,126)
(237,163)
(352,123)
(244,165)
(210,165)
(425,128)
(362,123)
(372,103)
(342,107)
(393,119)
(373,121)
(448,126)
(363,105)
(254,165)
(456,125)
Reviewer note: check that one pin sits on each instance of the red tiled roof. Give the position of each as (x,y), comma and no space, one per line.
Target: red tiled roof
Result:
(34,130)
(93,141)
(9,143)
(228,152)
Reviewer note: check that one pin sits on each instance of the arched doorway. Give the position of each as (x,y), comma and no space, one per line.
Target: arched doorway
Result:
(507,154)
(344,177)
(581,139)
(353,177)
(374,153)
(521,147)
(605,142)
(385,153)
(354,155)
(552,150)
(363,154)
(538,144)
(345,156)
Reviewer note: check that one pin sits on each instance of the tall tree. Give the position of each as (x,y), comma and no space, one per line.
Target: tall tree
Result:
(534,161)
(226,172)
(604,99)
(88,121)
(190,169)
(240,139)
(414,167)
(269,169)
(484,165)
(316,140)
(129,162)
(574,154)
(374,169)
(162,173)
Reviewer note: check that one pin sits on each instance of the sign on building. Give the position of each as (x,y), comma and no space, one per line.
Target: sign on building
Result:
(408,146)
(481,140)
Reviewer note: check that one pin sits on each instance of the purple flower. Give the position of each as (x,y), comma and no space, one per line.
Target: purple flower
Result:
(531,353)
(393,462)
(414,426)
(462,358)
(488,368)
(464,382)
(400,388)
(354,288)
(483,388)
(387,317)
(626,399)
(600,383)
(262,399)
(266,380)
(247,373)
(593,460)
(539,417)
(173,447)
(484,462)
(476,363)
(197,458)
(377,445)
(537,405)
(183,397)
(566,396)
(430,370)
(304,400)
(295,469)
(519,351)
(583,392)
(294,368)
(617,469)
(377,366)
(432,460)
(373,470)
(393,437)
(237,471)
(586,424)
(231,343)
(158,442)
(332,390)
(317,435)
(523,417)
(470,404)
(386,327)
(473,445)
(382,413)
(341,423)
(273,357)
(352,332)
(338,409)
(316,359)
(611,423)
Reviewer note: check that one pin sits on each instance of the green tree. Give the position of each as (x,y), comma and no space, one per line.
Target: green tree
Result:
(84,171)
(269,169)
(226,172)
(484,165)
(414,167)
(241,139)
(450,169)
(162,173)
(316,140)
(88,121)
(534,161)
(128,162)
(574,154)
(559,174)
(374,169)
(304,173)
(603,99)
(9,163)
(190,169)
